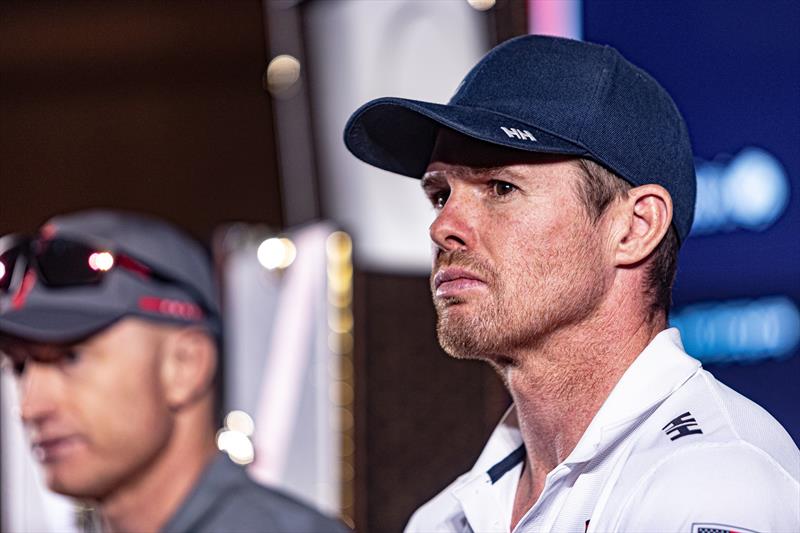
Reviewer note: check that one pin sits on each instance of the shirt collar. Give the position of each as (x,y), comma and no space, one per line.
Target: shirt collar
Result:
(654,375)
(484,494)
(505,438)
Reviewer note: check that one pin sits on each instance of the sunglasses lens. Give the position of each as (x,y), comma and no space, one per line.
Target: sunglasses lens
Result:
(63,263)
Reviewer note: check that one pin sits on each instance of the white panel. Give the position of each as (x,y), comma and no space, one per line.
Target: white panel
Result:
(27,504)
(250,295)
(359,50)
(277,360)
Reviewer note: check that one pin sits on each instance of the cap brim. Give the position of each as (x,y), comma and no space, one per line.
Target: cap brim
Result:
(398,135)
(54,325)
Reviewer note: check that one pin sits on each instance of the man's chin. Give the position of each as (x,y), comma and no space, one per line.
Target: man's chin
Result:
(463,334)
(460,343)
(73,484)
(464,350)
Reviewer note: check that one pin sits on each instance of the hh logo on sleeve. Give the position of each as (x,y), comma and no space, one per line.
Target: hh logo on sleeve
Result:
(681,426)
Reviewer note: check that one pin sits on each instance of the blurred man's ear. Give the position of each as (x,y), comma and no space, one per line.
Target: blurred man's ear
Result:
(642,219)
(188,364)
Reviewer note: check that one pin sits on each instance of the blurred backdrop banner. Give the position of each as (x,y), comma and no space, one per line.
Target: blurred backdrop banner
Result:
(289,374)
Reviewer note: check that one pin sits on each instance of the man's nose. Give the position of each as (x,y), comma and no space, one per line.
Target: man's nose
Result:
(454,226)
(38,390)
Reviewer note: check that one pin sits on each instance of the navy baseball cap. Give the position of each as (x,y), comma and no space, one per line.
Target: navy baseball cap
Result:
(159,274)
(548,95)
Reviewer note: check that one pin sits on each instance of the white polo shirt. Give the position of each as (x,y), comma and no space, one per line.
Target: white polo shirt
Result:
(671,449)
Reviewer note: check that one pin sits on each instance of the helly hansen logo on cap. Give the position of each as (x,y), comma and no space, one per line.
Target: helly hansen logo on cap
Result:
(681,426)
(522,135)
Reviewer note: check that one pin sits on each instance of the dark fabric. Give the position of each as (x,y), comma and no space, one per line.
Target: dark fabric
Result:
(226,500)
(550,95)
(60,325)
(509,462)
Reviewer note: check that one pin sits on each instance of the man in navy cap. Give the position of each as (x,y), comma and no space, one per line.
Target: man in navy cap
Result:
(563,185)
(110,323)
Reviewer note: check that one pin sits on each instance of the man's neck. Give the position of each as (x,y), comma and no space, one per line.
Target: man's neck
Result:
(559,386)
(147,502)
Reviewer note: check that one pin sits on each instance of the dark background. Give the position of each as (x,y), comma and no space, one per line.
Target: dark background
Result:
(150,106)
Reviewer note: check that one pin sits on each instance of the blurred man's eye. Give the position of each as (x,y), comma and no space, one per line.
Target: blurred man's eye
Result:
(18,367)
(71,356)
(13,365)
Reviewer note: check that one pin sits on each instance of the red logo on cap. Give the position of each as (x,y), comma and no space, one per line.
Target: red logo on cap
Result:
(176,308)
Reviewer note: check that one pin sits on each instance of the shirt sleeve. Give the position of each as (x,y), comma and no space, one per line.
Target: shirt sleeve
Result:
(730,487)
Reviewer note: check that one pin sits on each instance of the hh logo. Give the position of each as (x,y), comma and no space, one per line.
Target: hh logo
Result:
(682,425)
(522,135)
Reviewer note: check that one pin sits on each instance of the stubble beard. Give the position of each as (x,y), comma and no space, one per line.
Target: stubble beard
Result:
(472,329)
(485,330)
(495,326)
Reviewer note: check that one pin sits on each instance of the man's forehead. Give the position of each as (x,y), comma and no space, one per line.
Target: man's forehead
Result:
(453,149)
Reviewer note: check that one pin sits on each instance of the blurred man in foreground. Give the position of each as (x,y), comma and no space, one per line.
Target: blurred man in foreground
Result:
(111,325)
(563,184)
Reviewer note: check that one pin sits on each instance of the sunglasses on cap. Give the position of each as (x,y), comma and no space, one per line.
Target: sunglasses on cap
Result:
(67,262)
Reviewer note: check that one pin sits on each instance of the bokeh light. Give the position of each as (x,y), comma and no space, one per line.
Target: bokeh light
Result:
(276,253)
(101,261)
(236,445)
(241,422)
(750,192)
(282,74)
(482,5)
(739,330)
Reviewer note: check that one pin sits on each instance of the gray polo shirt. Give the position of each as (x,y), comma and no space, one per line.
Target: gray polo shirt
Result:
(226,499)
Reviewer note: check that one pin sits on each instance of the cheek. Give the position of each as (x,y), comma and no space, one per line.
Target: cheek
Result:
(129,413)
(555,250)
(523,240)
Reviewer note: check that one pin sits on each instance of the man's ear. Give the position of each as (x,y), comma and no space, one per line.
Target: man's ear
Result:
(188,364)
(642,220)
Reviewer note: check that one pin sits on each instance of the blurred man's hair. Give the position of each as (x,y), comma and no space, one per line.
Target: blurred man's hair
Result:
(598,188)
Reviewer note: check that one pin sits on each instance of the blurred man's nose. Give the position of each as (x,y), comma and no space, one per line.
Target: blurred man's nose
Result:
(38,391)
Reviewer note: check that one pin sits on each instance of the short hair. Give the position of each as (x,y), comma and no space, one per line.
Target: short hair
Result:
(599,187)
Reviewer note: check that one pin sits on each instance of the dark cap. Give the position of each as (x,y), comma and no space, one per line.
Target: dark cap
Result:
(548,95)
(184,295)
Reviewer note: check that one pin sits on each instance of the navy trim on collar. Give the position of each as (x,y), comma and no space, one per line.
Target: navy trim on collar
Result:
(512,460)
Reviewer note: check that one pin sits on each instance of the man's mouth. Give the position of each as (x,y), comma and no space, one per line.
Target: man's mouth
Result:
(451,281)
(53,449)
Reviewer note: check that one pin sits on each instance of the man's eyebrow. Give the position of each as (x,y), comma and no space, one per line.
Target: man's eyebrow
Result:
(431,179)
(435,178)
(498,172)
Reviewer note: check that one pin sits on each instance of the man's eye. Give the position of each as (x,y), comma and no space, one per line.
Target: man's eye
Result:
(16,366)
(502,188)
(438,199)
(72,356)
